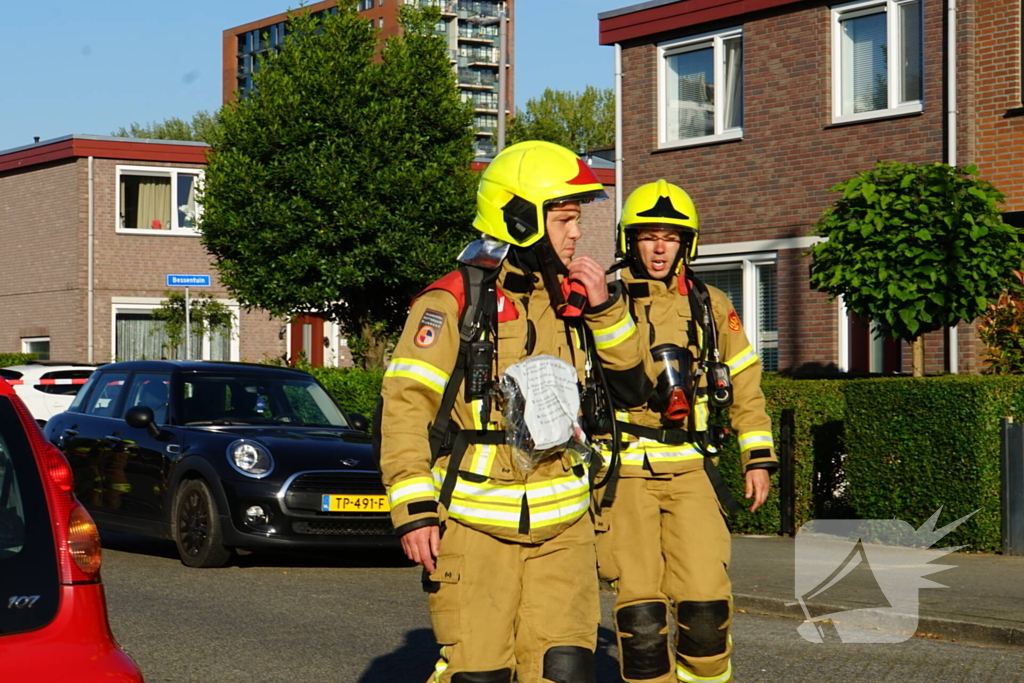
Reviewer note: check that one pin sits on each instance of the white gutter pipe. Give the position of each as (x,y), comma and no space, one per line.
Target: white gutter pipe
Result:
(951,122)
(618,133)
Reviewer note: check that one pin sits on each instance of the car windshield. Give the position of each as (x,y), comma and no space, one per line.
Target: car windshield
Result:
(210,399)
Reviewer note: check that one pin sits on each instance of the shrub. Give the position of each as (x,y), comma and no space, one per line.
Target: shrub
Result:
(8,359)
(818,451)
(918,444)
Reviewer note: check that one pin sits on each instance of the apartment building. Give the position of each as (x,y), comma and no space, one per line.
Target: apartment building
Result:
(470,27)
(756,108)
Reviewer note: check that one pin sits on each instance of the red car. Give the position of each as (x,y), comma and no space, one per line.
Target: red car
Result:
(53,615)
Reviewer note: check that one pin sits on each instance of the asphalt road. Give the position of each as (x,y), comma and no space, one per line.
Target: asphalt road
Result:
(362,618)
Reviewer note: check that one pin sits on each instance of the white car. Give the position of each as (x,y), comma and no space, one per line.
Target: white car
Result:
(47,389)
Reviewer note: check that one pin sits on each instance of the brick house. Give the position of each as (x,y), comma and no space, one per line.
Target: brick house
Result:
(92,226)
(757,108)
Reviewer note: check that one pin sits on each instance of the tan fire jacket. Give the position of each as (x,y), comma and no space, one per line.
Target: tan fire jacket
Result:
(492,494)
(663,316)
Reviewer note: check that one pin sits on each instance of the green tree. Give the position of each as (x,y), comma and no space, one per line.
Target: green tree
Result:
(202,128)
(577,120)
(916,248)
(206,316)
(343,185)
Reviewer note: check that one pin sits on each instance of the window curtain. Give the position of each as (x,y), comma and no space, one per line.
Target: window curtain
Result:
(729,280)
(139,337)
(733,83)
(768,317)
(866,70)
(691,94)
(146,202)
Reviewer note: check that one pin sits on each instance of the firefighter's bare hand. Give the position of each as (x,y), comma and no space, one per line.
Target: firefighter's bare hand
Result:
(590,274)
(422,546)
(758,483)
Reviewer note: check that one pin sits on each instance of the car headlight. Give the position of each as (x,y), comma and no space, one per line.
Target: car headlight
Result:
(251,458)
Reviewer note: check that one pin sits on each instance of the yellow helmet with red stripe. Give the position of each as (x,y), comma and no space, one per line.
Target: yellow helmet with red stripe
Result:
(525,179)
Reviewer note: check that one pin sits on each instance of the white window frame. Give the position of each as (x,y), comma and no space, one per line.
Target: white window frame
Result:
(671,48)
(145,304)
(748,264)
(25,341)
(895,74)
(163,172)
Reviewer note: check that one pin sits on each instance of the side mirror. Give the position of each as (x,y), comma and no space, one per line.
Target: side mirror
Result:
(359,422)
(141,417)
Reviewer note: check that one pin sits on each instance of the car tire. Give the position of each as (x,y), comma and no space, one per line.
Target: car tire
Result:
(196,526)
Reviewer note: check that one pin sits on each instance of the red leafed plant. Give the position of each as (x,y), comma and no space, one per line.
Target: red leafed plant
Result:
(1001,330)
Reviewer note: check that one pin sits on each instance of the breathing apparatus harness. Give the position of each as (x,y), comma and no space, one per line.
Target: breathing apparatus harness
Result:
(474,372)
(678,387)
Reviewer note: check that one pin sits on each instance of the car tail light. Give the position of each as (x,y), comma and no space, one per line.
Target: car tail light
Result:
(84,541)
(76,536)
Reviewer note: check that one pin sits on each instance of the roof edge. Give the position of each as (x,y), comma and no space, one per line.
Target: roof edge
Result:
(102,138)
(612,13)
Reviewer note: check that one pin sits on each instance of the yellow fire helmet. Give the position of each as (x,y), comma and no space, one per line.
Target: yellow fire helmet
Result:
(658,205)
(522,181)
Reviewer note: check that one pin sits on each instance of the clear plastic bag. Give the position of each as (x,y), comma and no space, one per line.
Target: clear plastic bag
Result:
(540,406)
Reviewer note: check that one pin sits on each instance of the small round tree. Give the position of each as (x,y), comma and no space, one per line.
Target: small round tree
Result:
(916,248)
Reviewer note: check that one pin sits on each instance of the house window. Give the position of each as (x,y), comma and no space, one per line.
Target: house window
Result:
(701,89)
(380,23)
(877,59)
(138,336)
(37,345)
(750,283)
(157,200)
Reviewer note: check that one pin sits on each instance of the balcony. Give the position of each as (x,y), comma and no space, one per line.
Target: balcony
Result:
(476,35)
(447,7)
(480,9)
(471,78)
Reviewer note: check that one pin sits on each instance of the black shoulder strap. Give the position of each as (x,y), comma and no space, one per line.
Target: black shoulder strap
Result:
(470,321)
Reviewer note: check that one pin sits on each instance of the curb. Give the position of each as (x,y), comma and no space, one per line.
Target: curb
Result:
(970,632)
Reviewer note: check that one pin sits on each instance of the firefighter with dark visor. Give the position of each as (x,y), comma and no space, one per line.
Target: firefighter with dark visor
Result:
(501,525)
(668,542)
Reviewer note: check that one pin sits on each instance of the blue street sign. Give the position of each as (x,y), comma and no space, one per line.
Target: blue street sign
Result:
(188,280)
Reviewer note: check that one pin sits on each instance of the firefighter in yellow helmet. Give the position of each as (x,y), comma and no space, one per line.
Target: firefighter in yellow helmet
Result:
(668,538)
(500,525)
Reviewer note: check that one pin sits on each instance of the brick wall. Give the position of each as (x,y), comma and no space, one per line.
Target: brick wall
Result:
(39,218)
(774,183)
(999,134)
(598,226)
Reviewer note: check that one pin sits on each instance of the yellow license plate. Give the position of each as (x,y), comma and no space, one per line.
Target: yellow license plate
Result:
(351,503)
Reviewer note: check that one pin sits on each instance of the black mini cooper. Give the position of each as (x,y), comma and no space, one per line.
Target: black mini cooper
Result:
(218,456)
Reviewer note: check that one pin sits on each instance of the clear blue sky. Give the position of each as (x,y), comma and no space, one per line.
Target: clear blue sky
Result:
(92,66)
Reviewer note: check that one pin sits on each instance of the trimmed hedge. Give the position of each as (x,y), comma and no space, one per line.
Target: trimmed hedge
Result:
(918,444)
(356,390)
(8,359)
(819,409)
(880,448)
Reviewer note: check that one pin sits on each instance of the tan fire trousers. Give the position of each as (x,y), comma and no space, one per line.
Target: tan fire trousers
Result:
(499,605)
(671,549)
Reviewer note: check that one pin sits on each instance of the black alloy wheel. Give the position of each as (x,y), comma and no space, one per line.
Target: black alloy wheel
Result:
(196,526)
